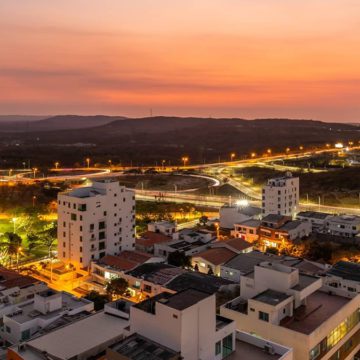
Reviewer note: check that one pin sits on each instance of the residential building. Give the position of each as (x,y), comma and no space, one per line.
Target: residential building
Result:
(209,261)
(244,264)
(114,266)
(343,278)
(237,245)
(186,241)
(47,307)
(148,240)
(185,322)
(316,218)
(279,303)
(235,214)
(162,227)
(247,230)
(281,196)
(95,221)
(84,339)
(343,225)
(277,230)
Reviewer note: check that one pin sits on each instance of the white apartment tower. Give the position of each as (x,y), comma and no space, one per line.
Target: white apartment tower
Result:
(281,196)
(95,221)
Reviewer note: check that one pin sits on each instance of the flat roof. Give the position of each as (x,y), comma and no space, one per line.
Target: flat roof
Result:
(196,280)
(320,306)
(250,223)
(346,270)
(305,281)
(314,214)
(290,225)
(273,218)
(178,301)
(78,337)
(244,350)
(271,297)
(137,347)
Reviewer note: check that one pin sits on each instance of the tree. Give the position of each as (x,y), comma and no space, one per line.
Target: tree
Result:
(210,271)
(10,246)
(272,250)
(203,220)
(179,259)
(44,238)
(196,267)
(116,287)
(98,299)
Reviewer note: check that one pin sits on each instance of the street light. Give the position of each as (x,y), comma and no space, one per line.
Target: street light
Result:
(253,155)
(185,159)
(269,151)
(88,162)
(232,156)
(14,223)
(163,163)
(33,200)
(34,172)
(301,147)
(56,165)
(287,149)
(110,163)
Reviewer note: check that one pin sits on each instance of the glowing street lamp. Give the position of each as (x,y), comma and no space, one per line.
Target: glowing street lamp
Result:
(301,147)
(163,163)
(56,165)
(34,172)
(253,155)
(269,151)
(33,200)
(110,163)
(232,156)
(10,171)
(287,149)
(13,220)
(185,159)
(88,162)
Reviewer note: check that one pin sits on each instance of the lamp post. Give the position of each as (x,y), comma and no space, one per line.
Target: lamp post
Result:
(232,156)
(34,172)
(14,223)
(185,159)
(56,165)
(88,162)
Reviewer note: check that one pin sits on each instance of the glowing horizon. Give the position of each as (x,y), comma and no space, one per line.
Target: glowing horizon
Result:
(224,58)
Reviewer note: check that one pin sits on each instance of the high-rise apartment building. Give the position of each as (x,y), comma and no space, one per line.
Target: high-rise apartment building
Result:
(95,221)
(281,196)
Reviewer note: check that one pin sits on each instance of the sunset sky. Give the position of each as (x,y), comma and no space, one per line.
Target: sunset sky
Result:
(243,58)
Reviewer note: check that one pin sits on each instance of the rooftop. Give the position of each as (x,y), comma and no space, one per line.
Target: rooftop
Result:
(346,270)
(157,273)
(245,350)
(89,333)
(137,347)
(237,244)
(273,218)
(314,214)
(271,297)
(27,312)
(291,225)
(350,219)
(216,256)
(10,279)
(149,238)
(126,260)
(179,301)
(305,281)
(321,306)
(250,223)
(192,279)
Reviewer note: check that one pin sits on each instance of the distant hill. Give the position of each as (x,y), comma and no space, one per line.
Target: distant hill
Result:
(60,122)
(151,140)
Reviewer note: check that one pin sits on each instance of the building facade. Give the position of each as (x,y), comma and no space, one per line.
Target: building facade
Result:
(95,221)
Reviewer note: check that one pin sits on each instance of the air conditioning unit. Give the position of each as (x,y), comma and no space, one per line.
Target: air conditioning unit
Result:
(269,349)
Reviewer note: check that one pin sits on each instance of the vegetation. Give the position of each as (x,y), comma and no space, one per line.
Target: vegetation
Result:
(179,259)
(116,287)
(98,299)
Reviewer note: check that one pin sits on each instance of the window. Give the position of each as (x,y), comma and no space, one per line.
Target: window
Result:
(64,244)
(102,235)
(80,228)
(64,223)
(102,245)
(263,316)
(81,249)
(81,259)
(92,227)
(147,288)
(25,335)
(64,255)
(175,316)
(101,225)
(80,238)
(105,213)
(102,254)
(64,234)
(227,347)
(218,348)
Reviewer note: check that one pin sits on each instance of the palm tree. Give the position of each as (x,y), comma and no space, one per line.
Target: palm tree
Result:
(10,246)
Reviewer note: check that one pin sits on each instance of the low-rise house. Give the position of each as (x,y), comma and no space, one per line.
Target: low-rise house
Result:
(186,241)
(84,339)
(236,245)
(343,225)
(209,261)
(111,266)
(148,280)
(48,306)
(247,230)
(279,303)
(185,326)
(148,240)
(245,263)
(234,214)
(162,227)
(316,218)
(277,230)
(343,279)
